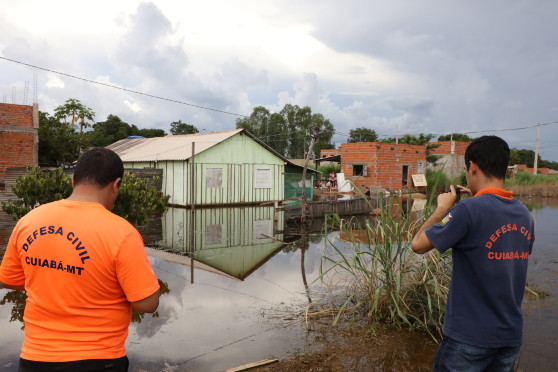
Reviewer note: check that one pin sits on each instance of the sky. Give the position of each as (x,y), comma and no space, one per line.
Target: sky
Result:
(432,67)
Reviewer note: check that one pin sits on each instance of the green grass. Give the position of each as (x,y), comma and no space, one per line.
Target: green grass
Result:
(523,178)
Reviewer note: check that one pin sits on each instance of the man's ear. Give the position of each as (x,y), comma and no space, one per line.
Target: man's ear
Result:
(115,185)
(73,181)
(473,167)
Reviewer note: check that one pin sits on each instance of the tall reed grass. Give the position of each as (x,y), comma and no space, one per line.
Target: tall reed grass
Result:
(386,278)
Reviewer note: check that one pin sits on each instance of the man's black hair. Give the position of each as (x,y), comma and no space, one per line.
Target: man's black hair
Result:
(491,154)
(98,166)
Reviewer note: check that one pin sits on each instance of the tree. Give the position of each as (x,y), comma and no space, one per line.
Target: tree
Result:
(109,131)
(58,141)
(455,137)
(136,201)
(75,110)
(269,128)
(409,139)
(299,123)
(362,135)
(151,133)
(523,157)
(178,127)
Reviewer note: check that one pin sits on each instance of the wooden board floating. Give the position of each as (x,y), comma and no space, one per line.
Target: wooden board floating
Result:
(248,366)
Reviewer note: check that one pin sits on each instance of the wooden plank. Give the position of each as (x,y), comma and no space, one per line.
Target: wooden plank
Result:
(248,366)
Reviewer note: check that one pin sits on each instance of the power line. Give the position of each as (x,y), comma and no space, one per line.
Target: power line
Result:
(232,113)
(123,89)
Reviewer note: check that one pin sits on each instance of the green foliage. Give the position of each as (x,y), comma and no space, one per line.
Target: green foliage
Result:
(455,137)
(385,277)
(150,133)
(325,170)
(268,127)
(178,127)
(114,129)
(523,178)
(288,132)
(362,135)
(437,182)
(136,201)
(522,157)
(409,139)
(58,141)
(36,188)
(73,109)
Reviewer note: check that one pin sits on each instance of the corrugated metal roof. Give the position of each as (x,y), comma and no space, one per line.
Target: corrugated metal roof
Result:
(172,147)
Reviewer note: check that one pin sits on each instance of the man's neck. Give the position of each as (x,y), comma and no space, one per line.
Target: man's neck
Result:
(89,194)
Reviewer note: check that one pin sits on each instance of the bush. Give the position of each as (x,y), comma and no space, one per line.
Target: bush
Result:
(325,170)
(136,202)
(36,188)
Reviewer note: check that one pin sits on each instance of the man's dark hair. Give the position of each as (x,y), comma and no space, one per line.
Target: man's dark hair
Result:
(491,154)
(98,166)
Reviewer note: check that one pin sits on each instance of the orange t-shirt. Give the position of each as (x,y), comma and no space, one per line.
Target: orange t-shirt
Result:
(81,266)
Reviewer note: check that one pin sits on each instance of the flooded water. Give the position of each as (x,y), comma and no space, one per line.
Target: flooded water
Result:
(251,282)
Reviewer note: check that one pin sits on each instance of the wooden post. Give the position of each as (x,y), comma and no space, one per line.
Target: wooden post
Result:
(306,161)
(192,212)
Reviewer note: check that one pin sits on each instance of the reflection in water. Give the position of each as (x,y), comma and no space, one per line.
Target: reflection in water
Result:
(234,242)
(18,299)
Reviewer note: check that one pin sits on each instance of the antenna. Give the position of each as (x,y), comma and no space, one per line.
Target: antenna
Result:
(35,87)
(13,94)
(25,92)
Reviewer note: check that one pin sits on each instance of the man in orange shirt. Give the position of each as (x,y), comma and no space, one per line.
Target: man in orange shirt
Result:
(84,269)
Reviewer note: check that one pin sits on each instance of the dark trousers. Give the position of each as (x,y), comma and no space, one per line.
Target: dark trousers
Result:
(89,365)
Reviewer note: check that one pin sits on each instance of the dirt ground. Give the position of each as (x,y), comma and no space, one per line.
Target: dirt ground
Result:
(335,350)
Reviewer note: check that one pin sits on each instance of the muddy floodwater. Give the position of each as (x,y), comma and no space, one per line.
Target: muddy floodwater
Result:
(252,279)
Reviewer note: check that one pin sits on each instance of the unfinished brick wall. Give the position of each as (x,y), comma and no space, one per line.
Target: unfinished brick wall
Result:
(326,153)
(18,137)
(382,165)
(445,148)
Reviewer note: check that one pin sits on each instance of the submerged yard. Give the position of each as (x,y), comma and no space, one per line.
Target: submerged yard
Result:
(251,296)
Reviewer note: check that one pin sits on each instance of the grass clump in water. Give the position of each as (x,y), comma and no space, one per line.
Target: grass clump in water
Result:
(385,278)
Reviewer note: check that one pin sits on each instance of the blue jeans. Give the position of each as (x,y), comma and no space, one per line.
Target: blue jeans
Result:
(456,356)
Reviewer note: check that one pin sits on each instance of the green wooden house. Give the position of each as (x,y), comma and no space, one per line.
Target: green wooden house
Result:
(231,168)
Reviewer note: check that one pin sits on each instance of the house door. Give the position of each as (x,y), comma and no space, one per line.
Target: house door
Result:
(405,176)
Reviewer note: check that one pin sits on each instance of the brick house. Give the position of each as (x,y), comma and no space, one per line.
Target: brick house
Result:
(19,137)
(380,165)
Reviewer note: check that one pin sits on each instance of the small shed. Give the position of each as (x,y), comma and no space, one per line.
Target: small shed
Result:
(230,168)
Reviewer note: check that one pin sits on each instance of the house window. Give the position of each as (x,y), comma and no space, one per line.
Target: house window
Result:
(360,170)
(262,178)
(213,234)
(214,177)
(420,167)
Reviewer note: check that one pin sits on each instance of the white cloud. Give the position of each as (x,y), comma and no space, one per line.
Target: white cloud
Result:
(54,81)
(445,67)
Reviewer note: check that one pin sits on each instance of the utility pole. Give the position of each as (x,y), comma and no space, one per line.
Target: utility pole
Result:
(536,162)
(306,161)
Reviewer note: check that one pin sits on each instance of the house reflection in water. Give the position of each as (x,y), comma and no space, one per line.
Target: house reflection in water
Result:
(230,241)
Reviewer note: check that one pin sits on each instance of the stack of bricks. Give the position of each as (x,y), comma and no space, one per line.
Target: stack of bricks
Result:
(18,137)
